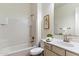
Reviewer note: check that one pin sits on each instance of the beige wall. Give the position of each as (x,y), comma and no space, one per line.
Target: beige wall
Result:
(33,29)
(36,22)
(39,11)
(47,9)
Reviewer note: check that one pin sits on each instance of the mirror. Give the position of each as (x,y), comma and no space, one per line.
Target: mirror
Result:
(66,18)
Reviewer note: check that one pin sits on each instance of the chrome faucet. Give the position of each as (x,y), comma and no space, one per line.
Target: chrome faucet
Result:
(66,39)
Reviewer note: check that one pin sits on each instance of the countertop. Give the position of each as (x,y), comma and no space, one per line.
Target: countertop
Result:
(70,46)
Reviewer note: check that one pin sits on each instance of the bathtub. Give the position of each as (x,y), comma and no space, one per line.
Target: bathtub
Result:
(18,50)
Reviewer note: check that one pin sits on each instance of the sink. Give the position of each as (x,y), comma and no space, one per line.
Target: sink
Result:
(61,42)
(67,44)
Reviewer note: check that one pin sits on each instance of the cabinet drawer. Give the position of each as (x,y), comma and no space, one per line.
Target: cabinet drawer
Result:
(58,50)
(49,53)
(48,46)
(70,54)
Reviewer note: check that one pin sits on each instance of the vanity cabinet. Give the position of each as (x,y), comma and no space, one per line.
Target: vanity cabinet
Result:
(47,46)
(47,50)
(58,50)
(49,53)
(52,50)
(68,53)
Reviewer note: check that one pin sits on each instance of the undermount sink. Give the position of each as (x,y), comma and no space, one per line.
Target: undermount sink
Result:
(67,44)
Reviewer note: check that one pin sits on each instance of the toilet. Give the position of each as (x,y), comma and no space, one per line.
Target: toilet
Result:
(37,51)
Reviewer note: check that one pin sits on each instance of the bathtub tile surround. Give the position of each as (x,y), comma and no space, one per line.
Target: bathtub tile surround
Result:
(21,53)
(14,35)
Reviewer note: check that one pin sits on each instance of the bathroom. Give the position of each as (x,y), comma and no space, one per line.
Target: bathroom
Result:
(39,29)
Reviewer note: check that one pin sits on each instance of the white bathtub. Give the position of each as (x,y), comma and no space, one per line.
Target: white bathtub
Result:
(19,50)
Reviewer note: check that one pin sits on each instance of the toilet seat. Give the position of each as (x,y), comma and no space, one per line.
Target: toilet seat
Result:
(36,51)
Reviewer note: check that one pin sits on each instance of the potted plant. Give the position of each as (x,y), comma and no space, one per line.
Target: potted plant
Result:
(49,37)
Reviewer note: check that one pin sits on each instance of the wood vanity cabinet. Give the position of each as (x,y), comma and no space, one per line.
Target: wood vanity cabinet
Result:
(49,53)
(47,46)
(52,50)
(68,53)
(47,50)
(58,50)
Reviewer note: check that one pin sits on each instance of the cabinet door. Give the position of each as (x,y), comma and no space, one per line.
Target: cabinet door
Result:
(58,50)
(49,53)
(48,46)
(70,54)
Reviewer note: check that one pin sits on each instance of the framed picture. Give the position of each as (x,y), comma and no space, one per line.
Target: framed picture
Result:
(46,22)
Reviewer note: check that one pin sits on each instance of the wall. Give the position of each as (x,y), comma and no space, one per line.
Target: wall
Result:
(16,32)
(39,11)
(33,30)
(36,22)
(47,9)
(76,21)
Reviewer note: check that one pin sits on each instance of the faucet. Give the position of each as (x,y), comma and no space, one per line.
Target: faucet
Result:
(66,39)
